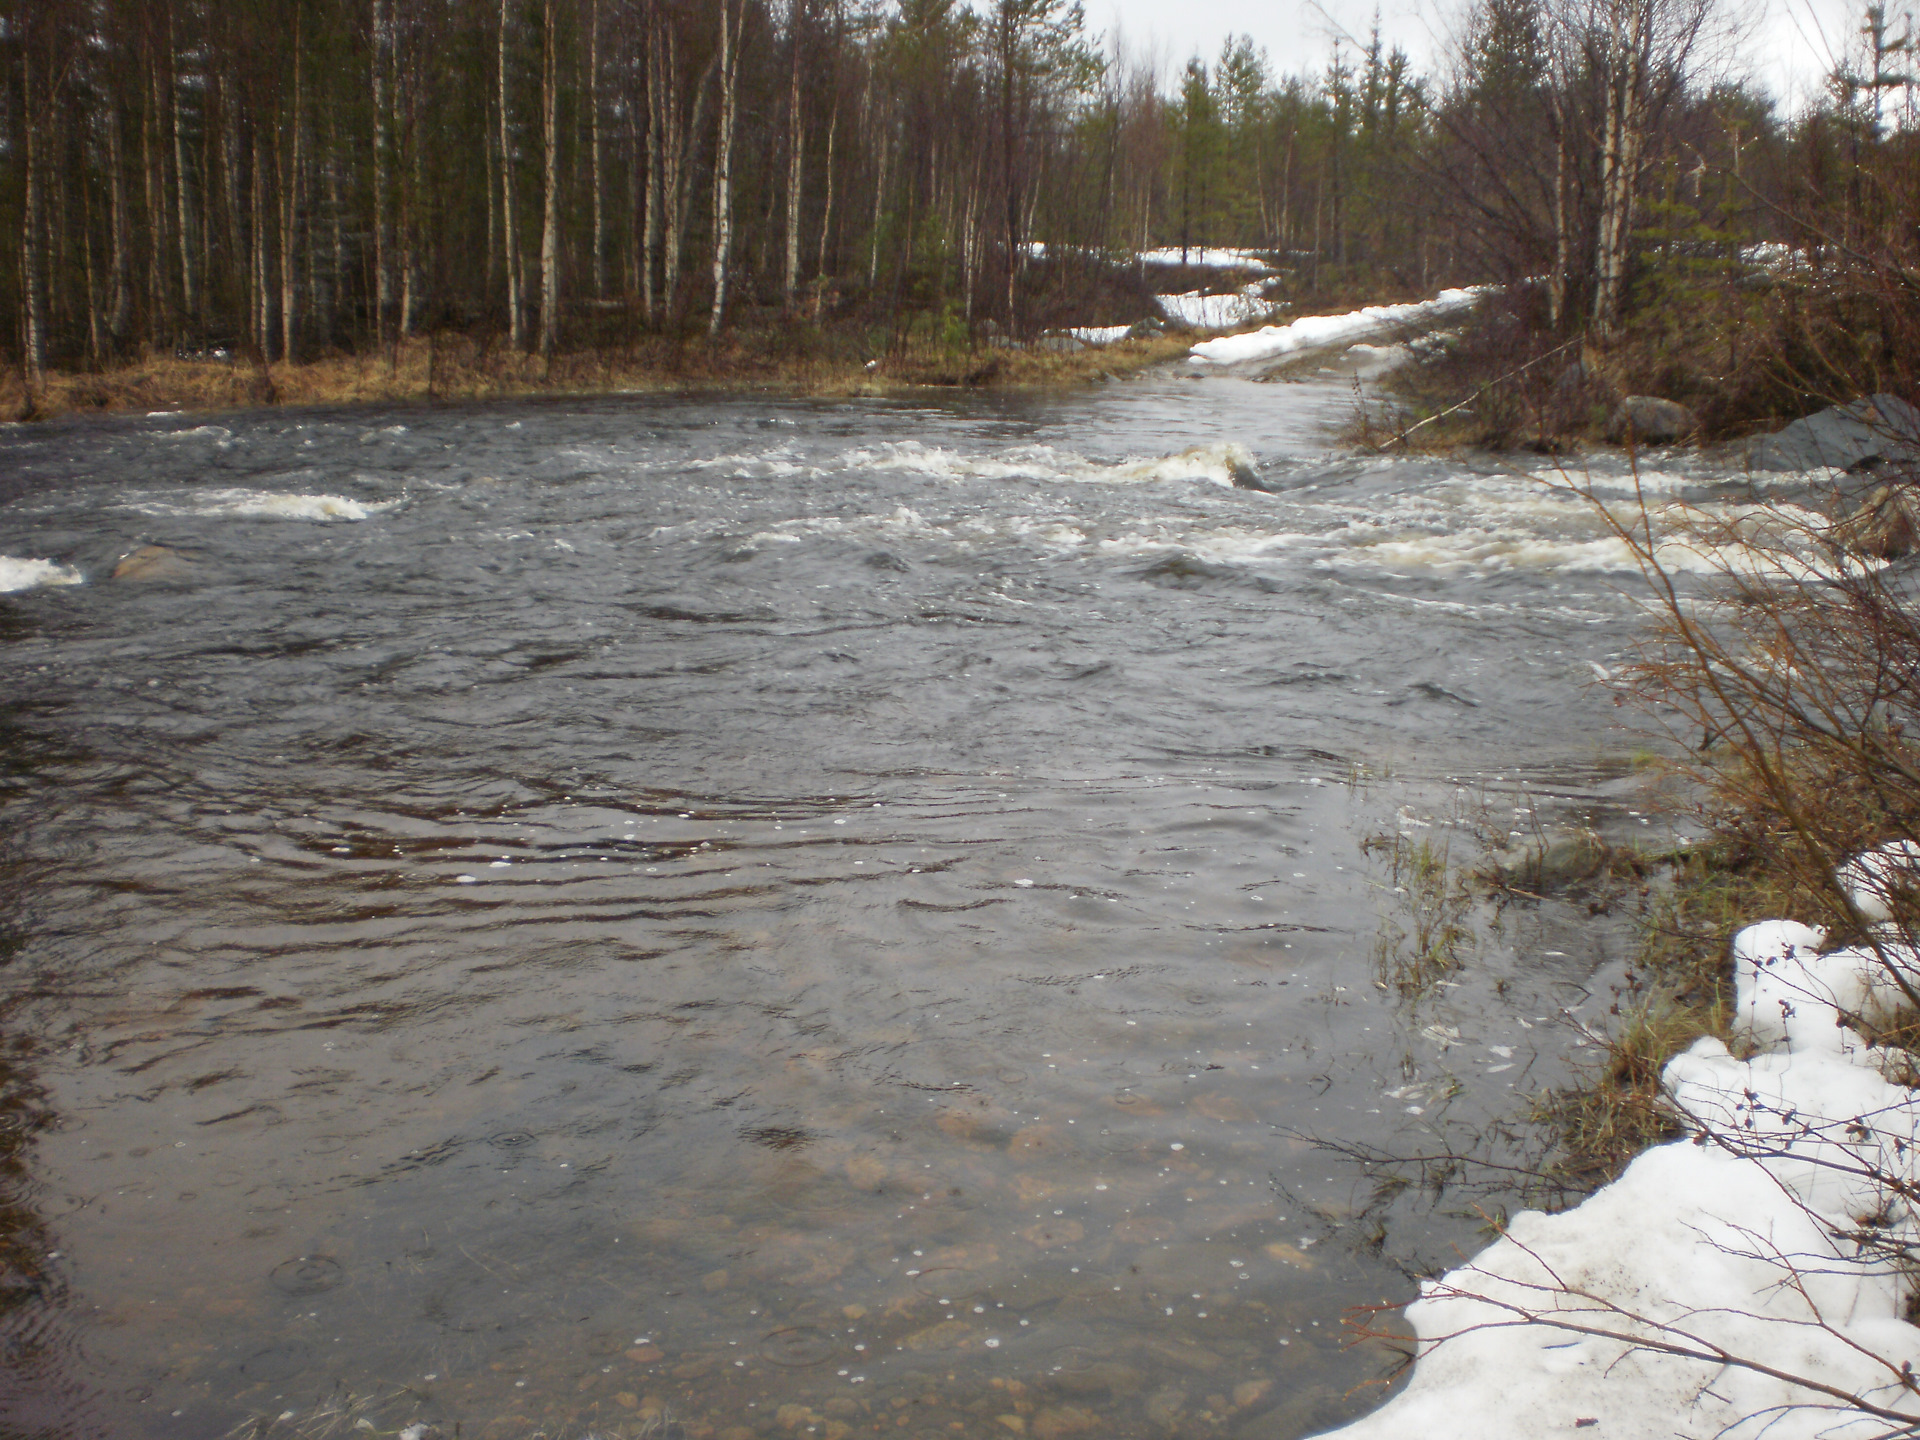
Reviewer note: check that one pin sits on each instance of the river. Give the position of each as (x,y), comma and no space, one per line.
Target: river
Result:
(723,917)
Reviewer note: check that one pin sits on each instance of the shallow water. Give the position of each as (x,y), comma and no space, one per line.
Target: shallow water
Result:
(754,916)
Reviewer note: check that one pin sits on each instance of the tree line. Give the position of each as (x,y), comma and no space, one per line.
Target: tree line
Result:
(184,175)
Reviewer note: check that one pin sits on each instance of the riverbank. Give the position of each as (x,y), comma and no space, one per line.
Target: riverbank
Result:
(465,368)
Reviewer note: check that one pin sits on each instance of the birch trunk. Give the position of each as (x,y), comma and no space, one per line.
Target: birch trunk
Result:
(189,289)
(796,153)
(723,162)
(516,317)
(1624,136)
(33,281)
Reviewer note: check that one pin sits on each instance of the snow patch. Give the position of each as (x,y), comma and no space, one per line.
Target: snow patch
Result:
(1216,312)
(1318,332)
(1692,1295)
(1200,257)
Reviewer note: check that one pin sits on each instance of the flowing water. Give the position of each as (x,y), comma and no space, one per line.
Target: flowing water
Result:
(732,917)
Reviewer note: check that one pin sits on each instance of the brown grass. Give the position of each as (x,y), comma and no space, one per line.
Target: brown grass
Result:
(460,367)
(1792,702)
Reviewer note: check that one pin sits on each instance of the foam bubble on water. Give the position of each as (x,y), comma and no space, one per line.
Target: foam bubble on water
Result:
(259,505)
(198,432)
(17,574)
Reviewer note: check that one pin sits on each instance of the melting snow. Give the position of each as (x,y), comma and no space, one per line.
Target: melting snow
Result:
(1692,1295)
(1314,332)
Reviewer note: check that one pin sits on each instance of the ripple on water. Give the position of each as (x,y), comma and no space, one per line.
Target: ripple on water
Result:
(307,1275)
(799,1347)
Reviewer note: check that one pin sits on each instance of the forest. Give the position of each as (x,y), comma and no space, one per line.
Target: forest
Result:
(216,177)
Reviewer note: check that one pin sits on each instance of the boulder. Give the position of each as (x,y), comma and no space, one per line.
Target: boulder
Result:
(1884,524)
(1060,344)
(1878,430)
(153,562)
(1649,420)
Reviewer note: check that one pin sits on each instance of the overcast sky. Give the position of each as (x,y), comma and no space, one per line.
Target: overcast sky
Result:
(1788,46)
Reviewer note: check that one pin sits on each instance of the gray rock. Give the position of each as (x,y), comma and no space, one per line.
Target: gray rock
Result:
(1060,344)
(1868,432)
(1649,420)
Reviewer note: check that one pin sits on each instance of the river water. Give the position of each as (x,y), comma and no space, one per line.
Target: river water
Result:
(737,917)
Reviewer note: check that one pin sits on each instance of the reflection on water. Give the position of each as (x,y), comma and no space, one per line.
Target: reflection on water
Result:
(747,920)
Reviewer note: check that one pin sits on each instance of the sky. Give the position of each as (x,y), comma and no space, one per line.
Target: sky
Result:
(1789,44)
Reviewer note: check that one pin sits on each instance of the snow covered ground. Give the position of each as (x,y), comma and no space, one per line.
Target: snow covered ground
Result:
(1317,332)
(1100,334)
(1216,312)
(1200,255)
(1743,1282)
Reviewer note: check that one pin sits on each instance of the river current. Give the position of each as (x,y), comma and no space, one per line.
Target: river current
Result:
(739,917)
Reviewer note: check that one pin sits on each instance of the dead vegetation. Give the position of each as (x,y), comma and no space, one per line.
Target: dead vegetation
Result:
(464,367)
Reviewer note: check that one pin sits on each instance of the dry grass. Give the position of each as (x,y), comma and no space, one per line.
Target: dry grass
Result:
(461,367)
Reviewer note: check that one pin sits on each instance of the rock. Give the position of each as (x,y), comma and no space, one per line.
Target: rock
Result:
(1649,420)
(1164,1406)
(1249,1393)
(1243,474)
(1060,344)
(1883,526)
(153,562)
(1057,1422)
(1859,436)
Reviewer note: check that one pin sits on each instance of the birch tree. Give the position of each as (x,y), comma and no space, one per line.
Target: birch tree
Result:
(729,67)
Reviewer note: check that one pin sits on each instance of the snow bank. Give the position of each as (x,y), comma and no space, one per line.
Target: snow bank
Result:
(1100,334)
(1316,332)
(1738,1283)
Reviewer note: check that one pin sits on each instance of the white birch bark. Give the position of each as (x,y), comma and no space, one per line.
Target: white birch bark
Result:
(723,162)
(516,313)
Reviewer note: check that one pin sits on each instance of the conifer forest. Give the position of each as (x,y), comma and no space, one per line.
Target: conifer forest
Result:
(318,176)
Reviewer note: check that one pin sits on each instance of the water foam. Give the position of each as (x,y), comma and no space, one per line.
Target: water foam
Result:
(259,505)
(1216,463)
(17,574)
